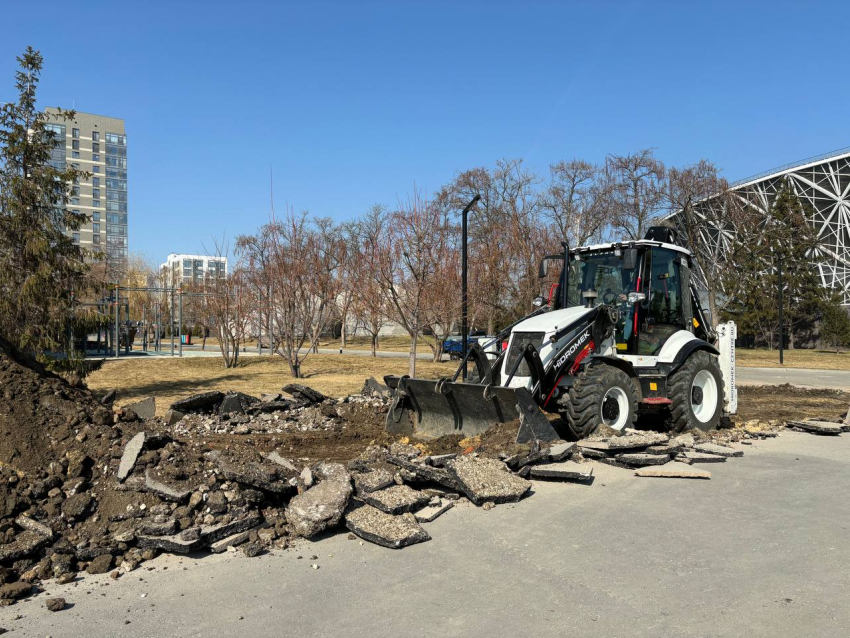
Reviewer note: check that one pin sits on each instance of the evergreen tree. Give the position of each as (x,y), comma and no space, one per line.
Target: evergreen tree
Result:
(835,325)
(41,268)
(781,240)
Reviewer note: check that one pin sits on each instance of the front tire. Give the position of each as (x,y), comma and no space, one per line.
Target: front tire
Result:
(696,392)
(601,395)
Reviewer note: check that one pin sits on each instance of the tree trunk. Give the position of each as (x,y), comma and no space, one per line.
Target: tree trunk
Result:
(411,370)
(294,366)
(374,344)
(438,350)
(342,333)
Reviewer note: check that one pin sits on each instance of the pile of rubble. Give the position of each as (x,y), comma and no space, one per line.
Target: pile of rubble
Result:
(88,487)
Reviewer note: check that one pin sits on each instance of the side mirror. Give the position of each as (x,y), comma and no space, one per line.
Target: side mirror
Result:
(544,264)
(635,297)
(630,257)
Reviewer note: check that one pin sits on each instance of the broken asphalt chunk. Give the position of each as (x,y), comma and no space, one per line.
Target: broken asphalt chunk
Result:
(251,474)
(384,529)
(214,533)
(285,463)
(719,450)
(485,480)
(421,473)
(25,522)
(564,470)
(304,393)
(561,451)
(171,544)
(817,427)
(673,470)
(440,460)
(164,491)
(436,508)
(173,417)
(203,402)
(24,544)
(149,528)
(128,458)
(230,541)
(318,508)
(144,409)
(699,457)
(397,499)
(374,388)
(641,460)
(634,441)
(377,479)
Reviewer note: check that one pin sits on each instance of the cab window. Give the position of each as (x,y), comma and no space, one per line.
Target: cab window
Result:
(662,311)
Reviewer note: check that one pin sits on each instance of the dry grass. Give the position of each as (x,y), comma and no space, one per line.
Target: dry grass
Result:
(171,379)
(387,344)
(815,359)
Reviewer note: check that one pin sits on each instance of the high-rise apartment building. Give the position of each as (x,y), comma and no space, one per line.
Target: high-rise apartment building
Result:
(192,269)
(97,145)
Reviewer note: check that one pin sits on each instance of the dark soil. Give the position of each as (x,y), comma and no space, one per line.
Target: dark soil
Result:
(786,402)
(40,416)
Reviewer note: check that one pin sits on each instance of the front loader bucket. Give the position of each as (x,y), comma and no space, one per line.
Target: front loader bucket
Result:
(430,408)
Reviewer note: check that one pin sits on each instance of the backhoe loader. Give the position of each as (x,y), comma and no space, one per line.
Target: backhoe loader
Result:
(622,332)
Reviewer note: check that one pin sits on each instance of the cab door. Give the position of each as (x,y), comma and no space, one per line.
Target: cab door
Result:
(663,311)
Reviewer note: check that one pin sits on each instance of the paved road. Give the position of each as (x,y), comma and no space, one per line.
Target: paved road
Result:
(805,378)
(759,550)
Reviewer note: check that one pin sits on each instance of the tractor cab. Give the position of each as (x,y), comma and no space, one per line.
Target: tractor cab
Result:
(646,283)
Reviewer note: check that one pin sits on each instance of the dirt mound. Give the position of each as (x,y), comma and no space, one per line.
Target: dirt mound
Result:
(42,416)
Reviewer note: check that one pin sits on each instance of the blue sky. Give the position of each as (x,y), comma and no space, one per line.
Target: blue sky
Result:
(355,102)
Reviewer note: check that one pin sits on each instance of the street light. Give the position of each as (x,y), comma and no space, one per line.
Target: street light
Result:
(464,328)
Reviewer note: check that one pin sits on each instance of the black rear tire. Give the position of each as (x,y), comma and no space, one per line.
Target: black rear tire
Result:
(601,394)
(694,389)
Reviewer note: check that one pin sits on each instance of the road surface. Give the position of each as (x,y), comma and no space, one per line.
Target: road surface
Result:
(759,550)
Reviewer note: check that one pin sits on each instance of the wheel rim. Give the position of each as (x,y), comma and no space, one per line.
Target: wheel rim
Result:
(615,408)
(704,396)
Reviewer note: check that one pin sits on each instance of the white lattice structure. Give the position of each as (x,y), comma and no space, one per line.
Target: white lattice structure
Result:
(824,183)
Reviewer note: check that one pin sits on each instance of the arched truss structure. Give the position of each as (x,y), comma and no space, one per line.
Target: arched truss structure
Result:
(824,184)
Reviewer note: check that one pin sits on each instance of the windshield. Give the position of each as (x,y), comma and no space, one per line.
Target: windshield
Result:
(603,274)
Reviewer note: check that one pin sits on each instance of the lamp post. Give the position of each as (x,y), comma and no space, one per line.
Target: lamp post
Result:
(781,318)
(464,327)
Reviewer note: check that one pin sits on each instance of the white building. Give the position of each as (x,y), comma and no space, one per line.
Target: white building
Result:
(185,269)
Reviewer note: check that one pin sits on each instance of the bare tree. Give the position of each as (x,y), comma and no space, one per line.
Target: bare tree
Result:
(442,306)
(505,232)
(368,302)
(256,252)
(637,192)
(326,255)
(347,275)
(293,271)
(711,218)
(229,304)
(575,201)
(409,265)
